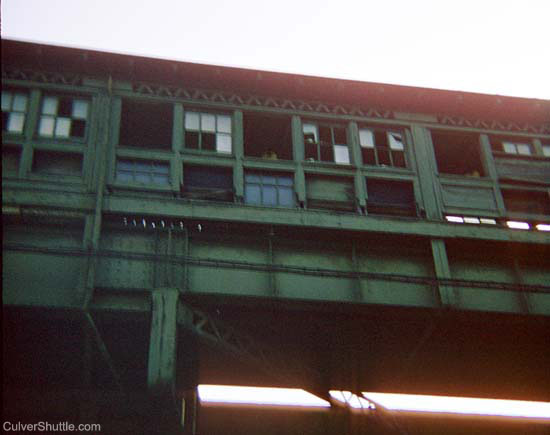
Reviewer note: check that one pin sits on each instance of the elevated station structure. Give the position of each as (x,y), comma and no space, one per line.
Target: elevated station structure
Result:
(169,224)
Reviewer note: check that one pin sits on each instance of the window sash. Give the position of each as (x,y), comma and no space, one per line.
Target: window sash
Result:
(270,190)
(141,171)
(53,124)
(210,123)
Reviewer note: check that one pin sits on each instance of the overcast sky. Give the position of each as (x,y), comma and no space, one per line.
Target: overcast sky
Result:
(489,46)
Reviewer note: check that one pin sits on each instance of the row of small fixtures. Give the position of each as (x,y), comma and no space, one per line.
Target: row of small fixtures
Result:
(162,224)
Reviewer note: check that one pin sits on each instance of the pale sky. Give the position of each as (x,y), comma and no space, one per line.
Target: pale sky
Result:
(489,46)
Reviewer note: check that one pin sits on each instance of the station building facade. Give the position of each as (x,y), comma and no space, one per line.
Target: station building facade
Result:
(169,224)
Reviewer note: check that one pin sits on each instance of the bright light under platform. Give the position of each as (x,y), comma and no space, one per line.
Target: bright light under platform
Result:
(261,396)
(461,405)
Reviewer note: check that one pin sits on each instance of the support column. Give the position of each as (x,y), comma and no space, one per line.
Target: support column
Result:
(25,159)
(442,270)
(178,139)
(491,171)
(298,155)
(238,152)
(163,345)
(425,160)
(355,151)
(523,298)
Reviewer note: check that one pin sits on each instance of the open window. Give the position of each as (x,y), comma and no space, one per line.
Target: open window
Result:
(143,172)
(458,153)
(382,147)
(47,162)
(145,124)
(207,182)
(208,132)
(63,117)
(268,137)
(270,189)
(527,201)
(330,193)
(14,111)
(325,143)
(390,197)
(10,159)
(511,146)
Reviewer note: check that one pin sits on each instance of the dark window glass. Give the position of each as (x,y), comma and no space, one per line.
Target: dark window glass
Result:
(269,189)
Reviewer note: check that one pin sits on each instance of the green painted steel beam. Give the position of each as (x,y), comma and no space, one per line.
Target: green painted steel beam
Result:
(29,197)
(161,375)
(425,160)
(447,296)
(315,219)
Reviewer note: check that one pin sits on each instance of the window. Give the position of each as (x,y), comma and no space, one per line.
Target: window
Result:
(522,149)
(143,171)
(457,153)
(56,163)
(546,150)
(268,137)
(14,109)
(527,201)
(390,197)
(382,147)
(269,189)
(145,124)
(10,160)
(209,183)
(208,131)
(325,143)
(512,146)
(63,117)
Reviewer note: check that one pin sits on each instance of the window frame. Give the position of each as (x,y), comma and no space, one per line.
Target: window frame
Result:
(14,92)
(41,115)
(379,148)
(262,183)
(201,131)
(320,143)
(515,146)
(134,171)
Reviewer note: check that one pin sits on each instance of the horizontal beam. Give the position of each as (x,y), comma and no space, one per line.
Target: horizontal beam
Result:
(314,219)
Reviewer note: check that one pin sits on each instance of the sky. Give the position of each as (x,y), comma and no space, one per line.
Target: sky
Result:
(489,46)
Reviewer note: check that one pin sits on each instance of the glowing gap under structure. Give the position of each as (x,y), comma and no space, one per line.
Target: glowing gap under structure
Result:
(460,405)
(261,396)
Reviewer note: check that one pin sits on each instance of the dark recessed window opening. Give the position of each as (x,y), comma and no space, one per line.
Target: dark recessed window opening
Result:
(527,201)
(458,153)
(382,147)
(390,197)
(10,160)
(143,171)
(269,189)
(14,110)
(330,193)
(268,137)
(208,132)
(514,147)
(63,117)
(56,163)
(325,143)
(207,182)
(146,124)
